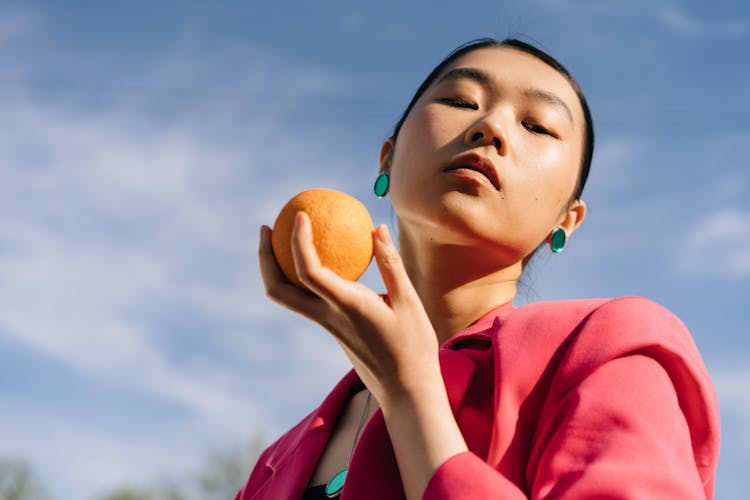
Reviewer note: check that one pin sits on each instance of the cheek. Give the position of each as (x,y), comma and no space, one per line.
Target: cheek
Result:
(440,125)
(430,126)
(555,172)
(421,139)
(540,189)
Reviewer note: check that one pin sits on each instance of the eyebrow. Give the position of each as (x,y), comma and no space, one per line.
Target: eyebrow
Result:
(483,79)
(476,75)
(536,94)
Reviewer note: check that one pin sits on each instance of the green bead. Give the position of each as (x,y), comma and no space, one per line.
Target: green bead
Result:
(381,185)
(336,484)
(558,240)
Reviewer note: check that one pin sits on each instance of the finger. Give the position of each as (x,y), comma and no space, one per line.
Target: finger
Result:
(279,288)
(391,266)
(386,299)
(340,293)
(318,278)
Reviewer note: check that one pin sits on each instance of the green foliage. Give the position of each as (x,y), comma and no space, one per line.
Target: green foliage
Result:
(164,492)
(18,482)
(220,477)
(226,471)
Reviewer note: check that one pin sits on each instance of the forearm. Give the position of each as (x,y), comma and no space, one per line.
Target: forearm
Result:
(423,431)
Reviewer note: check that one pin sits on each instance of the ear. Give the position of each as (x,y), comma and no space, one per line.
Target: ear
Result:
(574,215)
(386,155)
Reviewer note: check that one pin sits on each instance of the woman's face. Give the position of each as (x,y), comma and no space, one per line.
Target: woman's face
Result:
(489,156)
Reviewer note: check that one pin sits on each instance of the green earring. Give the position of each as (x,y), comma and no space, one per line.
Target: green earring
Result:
(382,183)
(557,240)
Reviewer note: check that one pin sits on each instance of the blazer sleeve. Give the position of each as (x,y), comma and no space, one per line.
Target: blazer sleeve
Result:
(630,414)
(619,434)
(465,476)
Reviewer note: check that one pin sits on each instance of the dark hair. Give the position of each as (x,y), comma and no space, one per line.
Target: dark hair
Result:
(588,145)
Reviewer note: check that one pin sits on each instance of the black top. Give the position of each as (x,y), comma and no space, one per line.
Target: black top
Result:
(316,493)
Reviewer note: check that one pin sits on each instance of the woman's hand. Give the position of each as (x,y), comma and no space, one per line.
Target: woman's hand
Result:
(389,340)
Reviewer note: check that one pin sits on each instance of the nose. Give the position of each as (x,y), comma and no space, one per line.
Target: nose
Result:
(485,132)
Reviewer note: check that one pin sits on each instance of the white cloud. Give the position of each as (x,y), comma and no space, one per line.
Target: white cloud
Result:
(113,220)
(67,259)
(731,385)
(76,461)
(615,162)
(732,390)
(682,23)
(718,245)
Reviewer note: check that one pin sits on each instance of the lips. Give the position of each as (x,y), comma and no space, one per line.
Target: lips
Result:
(476,163)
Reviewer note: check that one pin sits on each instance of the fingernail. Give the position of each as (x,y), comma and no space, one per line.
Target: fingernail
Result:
(384,235)
(298,219)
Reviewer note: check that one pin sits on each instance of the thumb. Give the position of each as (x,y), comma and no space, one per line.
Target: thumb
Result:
(391,266)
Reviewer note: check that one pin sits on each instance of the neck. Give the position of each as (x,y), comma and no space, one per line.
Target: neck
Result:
(457,284)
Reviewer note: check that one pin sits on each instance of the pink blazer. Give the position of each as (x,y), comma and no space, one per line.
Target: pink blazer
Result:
(569,399)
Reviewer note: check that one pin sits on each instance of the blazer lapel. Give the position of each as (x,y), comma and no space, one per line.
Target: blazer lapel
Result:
(373,472)
(293,463)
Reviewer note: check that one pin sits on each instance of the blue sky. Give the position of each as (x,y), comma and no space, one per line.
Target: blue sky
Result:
(142,144)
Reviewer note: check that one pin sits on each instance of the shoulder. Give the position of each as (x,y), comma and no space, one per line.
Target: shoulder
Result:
(624,318)
(572,338)
(641,342)
(618,309)
(636,324)
(576,338)
(636,312)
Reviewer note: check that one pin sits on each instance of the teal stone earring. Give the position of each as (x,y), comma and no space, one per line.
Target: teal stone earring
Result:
(382,183)
(557,240)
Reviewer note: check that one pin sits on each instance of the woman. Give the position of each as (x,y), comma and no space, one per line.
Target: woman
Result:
(454,393)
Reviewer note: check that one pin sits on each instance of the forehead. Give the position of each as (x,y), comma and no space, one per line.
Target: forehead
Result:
(511,70)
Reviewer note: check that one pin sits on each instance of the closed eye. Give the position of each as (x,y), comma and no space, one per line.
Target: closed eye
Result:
(537,129)
(458,102)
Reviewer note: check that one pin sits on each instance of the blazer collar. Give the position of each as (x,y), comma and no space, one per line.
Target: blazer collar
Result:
(373,472)
(483,327)
(292,462)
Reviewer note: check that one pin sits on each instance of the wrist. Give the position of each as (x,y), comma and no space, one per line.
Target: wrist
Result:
(415,391)
(423,412)
(423,431)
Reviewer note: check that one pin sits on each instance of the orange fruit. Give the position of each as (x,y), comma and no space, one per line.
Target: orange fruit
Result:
(341,227)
